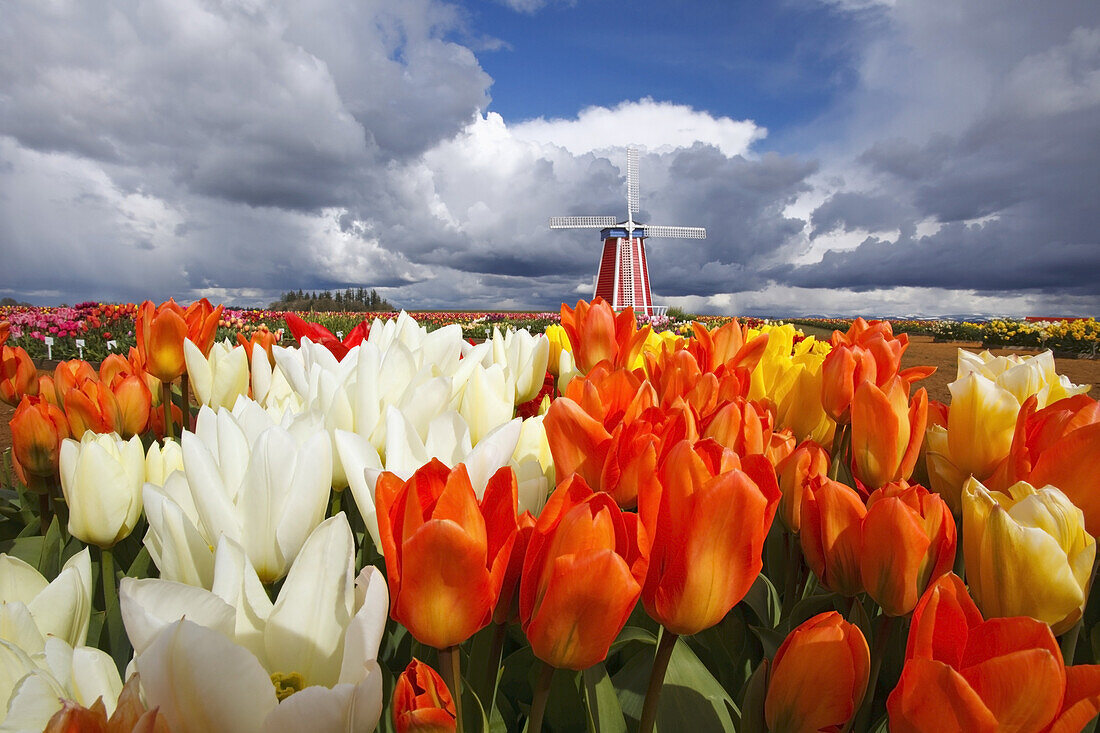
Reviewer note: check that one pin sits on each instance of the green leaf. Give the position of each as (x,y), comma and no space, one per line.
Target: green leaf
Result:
(770,639)
(752,709)
(691,699)
(811,606)
(631,634)
(602,705)
(27,549)
(763,599)
(49,560)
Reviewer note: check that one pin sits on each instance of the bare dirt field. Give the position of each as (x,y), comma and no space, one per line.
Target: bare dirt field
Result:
(922,351)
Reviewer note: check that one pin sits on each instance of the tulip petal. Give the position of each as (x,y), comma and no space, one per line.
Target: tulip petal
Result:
(364,632)
(997,682)
(1082,700)
(931,696)
(149,605)
(203,682)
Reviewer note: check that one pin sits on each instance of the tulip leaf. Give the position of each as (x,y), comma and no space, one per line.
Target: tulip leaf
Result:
(139,568)
(691,699)
(752,708)
(770,639)
(26,548)
(722,646)
(763,599)
(474,717)
(602,705)
(49,559)
(811,606)
(630,634)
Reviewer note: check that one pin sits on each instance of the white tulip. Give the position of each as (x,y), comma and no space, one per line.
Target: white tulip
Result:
(524,358)
(534,466)
(176,545)
(33,684)
(101,477)
(232,661)
(487,401)
(221,376)
(61,607)
(161,460)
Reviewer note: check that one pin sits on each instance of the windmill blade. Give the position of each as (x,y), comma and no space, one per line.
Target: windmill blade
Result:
(675,232)
(582,222)
(632,197)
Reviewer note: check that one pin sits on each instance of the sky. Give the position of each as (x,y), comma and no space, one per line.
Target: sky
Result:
(874,157)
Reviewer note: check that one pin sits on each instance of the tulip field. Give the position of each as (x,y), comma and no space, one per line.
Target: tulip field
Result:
(216,520)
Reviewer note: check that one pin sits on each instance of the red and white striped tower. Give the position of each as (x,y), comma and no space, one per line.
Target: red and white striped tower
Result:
(623,277)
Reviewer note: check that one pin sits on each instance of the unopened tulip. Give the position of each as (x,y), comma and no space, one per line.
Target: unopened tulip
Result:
(161,460)
(808,461)
(92,407)
(69,375)
(1027,553)
(818,677)
(37,429)
(446,553)
(844,369)
(524,358)
(831,533)
(707,520)
(729,344)
(264,339)
(421,701)
(507,608)
(908,541)
(558,341)
(5,329)
(101,477)
(160,333)
(18,375)
(964,673)
(534,465)
(742,426)
(218,378)
(887,431)
(582,576)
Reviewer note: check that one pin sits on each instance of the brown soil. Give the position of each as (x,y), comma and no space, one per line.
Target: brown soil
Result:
(922,352)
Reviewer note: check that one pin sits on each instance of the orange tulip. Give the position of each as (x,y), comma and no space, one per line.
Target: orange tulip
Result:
(726,345)
(47,390)
(264,339)
(156,420)
(908,542)
(831,522)
(507,608)
(5,329)
(808,461)
(844,369)
(160,333)
(421,701)
(1057,446)
(743,426)
(18,375)
(818,677)
(964,673)
(37,430)
(70,375)
(131,391)
(129,716)
(202,324)
(582,576)
(92,406)
(620,462)
(887,432)
(598,334)
(707,519)
(446,555)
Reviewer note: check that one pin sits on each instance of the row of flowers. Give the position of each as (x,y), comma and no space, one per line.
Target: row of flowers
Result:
(601,526)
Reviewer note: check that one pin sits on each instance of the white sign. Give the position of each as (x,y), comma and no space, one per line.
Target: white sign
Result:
(111,344)
(49,346)
(80,347)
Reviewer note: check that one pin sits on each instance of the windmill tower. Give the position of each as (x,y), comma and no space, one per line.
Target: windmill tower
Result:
(623,277)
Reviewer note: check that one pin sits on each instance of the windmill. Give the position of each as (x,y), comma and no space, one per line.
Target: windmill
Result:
(623,277)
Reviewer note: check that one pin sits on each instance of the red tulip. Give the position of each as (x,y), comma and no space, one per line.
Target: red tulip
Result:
(421,701)
(446,555)
(318,334)
(818,677)
(707,519)
(582,576)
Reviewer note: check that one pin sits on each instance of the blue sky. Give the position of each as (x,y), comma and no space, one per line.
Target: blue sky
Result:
(875,157)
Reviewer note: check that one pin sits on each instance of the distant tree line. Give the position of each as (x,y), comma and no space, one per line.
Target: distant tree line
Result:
(351,299)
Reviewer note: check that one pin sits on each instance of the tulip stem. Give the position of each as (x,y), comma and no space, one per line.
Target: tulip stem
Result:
(792,575)
(542,694)
(166,403)
(840,450)
(496,651)
(1069,642)
(449,667)
(882,637)
(185,387)
(116,633)
(44,512)
(657,679)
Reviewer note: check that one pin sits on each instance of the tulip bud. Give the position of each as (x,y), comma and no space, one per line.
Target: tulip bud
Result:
(92,407)
(844,369)
(161,460)
(831,523)
(559,342)
(18,375)
(218,378)
(101,478)
(421,701)
(808,461)
(818,677)
(908,541)
(37,429)
(707,520)
(887,432)
(202,323)
(1027,553)
(581,577)
(160,333)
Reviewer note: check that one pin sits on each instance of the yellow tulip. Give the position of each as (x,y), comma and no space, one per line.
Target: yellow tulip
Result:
(1027,553)
(789,376)
(559,342)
